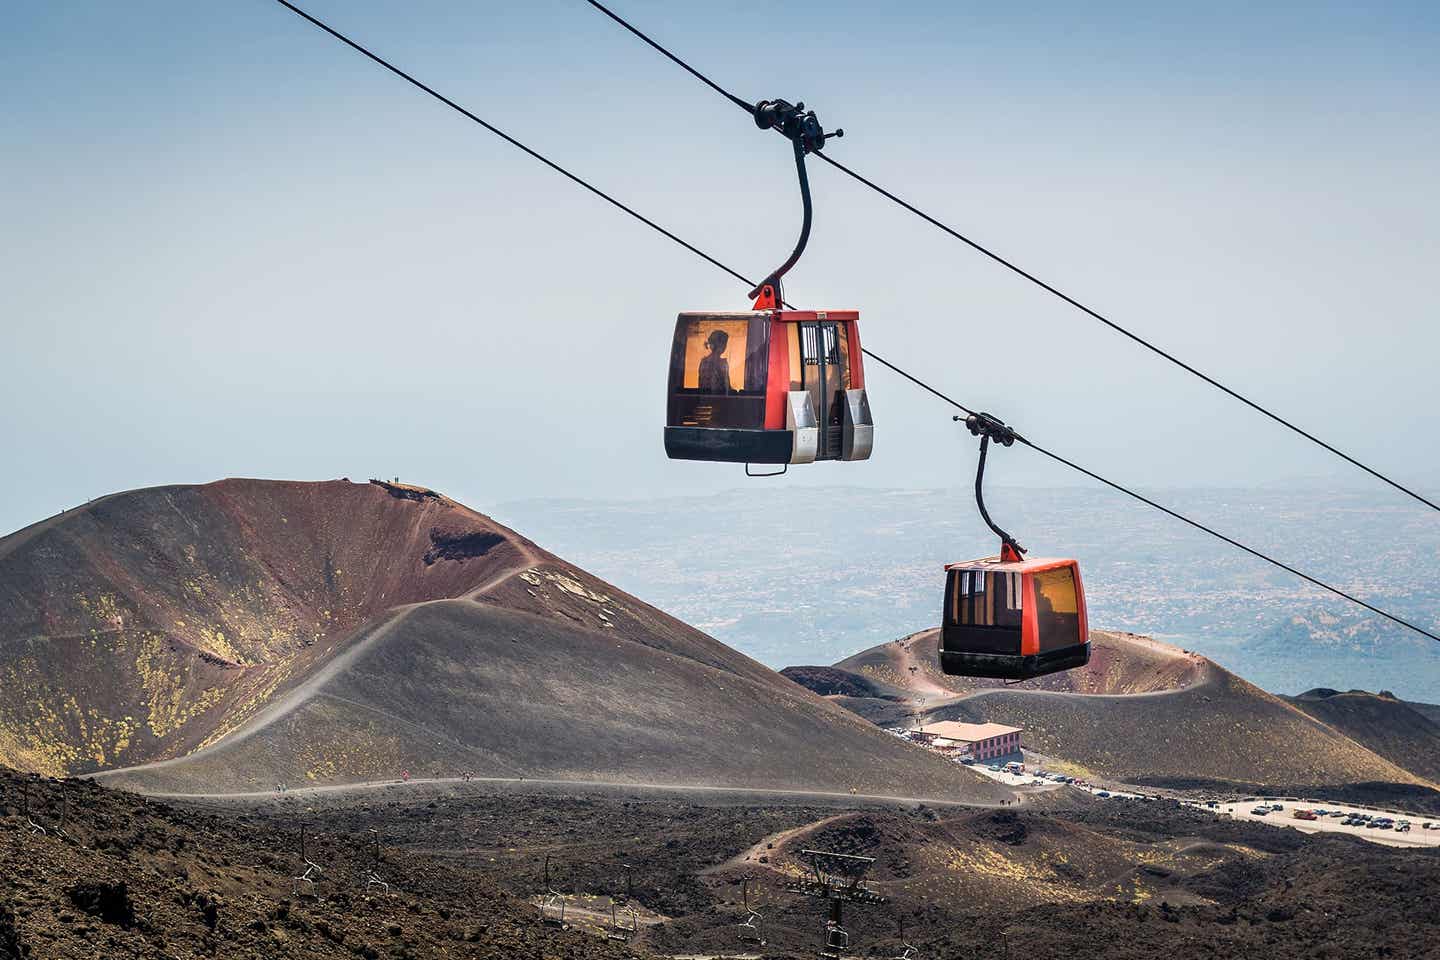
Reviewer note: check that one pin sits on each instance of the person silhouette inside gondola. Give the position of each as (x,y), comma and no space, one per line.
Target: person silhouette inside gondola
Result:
(714,368)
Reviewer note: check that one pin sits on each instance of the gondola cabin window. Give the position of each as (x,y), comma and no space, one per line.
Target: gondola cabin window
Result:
(987,608)
(721,372)
(1057,611)
(987,599)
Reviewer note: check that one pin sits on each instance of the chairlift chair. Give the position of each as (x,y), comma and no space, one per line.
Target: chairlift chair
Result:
(624,920)
(35,828)
(372,875)
(306,880)
(623,926)
(551,902)
(552,909)
(837,940)
(312,870)
(907,949)
(749,929)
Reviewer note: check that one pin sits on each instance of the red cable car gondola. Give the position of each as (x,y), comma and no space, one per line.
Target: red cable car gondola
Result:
(1005,616)
(770,385)
(795,392)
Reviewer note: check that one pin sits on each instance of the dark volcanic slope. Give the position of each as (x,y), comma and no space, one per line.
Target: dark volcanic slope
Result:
(246,633)
(1390,727)
(147,622)
(457,686)
(144,880)
(1142,710)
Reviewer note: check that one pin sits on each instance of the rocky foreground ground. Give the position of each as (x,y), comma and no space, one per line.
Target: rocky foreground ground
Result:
(126,877)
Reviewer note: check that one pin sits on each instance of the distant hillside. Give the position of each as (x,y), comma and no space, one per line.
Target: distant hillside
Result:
(832,681)
(1317,647)
(1141,711)
(1392,728)
(1430,710)
(236,635)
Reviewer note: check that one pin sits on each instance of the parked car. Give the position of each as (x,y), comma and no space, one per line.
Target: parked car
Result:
(1103,793)
(1260,811)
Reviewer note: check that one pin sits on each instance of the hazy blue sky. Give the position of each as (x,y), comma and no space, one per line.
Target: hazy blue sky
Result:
(231,246)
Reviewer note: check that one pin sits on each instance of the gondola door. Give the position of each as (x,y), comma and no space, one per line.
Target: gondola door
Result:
(823,377)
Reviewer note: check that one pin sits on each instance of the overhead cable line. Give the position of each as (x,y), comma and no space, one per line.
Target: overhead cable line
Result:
(1019,271)
(742,278)
(505,136)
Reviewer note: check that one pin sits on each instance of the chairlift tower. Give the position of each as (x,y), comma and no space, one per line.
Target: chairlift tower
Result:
(837,879)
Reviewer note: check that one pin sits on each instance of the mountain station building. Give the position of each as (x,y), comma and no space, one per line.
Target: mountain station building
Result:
(983,741)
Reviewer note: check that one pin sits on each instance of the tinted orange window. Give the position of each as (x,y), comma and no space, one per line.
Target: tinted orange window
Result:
(1057,609)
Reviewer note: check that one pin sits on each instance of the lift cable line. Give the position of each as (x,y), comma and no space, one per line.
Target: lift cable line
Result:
(750,283)
(507,138)
(1020,271)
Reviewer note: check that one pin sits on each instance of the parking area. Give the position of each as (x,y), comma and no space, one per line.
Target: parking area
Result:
(1389,827)
(1009,777)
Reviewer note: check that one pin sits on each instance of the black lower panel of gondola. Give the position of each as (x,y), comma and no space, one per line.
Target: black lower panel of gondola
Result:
(728,446)
(1006,666)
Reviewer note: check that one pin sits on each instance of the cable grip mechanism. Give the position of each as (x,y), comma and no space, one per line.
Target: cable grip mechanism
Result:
(988,428)
(795,122)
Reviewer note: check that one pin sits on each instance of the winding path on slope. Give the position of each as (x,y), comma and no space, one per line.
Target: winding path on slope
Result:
(765,845)
(532,782)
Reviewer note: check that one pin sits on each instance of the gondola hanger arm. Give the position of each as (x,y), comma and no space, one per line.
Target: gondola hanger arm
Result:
(988,428)
(806,135)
